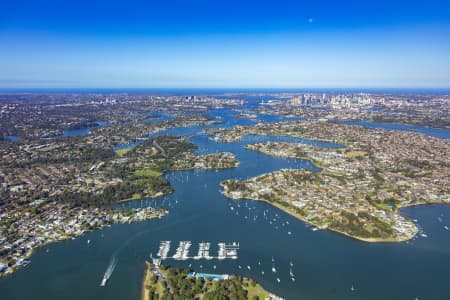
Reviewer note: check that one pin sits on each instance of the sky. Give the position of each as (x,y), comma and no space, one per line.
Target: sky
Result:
(225,44)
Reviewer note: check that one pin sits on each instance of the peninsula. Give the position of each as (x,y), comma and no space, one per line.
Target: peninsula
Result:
(56,188)
(162,282)
(361,185)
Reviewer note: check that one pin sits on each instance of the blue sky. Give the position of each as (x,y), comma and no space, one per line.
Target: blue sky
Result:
(245,44)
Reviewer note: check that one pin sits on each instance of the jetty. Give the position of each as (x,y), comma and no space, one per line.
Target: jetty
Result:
(182,252)
(203,251)
(164,248)
(226,251)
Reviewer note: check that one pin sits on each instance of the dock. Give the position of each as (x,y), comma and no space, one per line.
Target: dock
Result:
(203,251)
(226,251)
(182,252)
(164,248)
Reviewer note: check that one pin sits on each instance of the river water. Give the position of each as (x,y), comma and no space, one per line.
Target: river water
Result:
(326,265)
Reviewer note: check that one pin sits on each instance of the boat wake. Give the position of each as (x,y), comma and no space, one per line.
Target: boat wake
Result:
(109,270)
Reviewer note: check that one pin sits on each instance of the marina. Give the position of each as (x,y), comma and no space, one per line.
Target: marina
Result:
(164,249)
(182,252)
(203,251)
(225,251)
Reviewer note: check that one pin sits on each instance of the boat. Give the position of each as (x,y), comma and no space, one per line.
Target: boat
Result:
(109,271)
(104,280)
(446,227)
(274,270)
(278,279)
(262,273)
(248,267)
(293,279)
(352,288)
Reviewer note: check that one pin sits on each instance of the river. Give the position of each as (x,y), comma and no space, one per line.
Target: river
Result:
(325,264)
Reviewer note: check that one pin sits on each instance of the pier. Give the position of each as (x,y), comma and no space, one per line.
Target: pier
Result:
(164,248)
(203,251)
(226,251)
(182,252)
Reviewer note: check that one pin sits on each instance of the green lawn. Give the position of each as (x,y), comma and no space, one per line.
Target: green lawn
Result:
(122,152)
(256,290)
(147,173)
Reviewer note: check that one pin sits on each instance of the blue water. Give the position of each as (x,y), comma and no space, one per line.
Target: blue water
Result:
(82,131)
(436,132)
(13,138)
(326,264)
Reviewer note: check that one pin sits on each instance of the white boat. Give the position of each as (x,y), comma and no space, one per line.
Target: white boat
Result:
(104,280)
(352,288)
(278,279)
(248,267)
(274,270)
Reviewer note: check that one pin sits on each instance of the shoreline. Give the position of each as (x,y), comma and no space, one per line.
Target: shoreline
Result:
(368,240)
(144,294)
(247,284)
(32,251)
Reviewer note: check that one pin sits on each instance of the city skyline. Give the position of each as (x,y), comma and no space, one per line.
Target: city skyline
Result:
(199,44)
